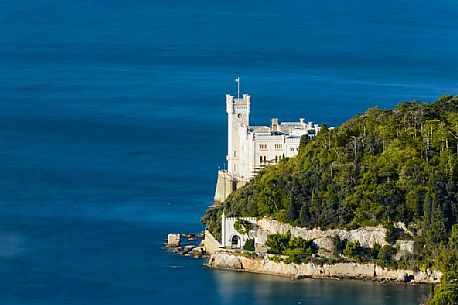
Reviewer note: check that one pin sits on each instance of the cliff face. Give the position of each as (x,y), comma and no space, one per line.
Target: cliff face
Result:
(369,271)
(367,236)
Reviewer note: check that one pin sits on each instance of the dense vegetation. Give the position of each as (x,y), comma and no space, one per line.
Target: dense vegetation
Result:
(296,249)
(244,227)
(383,256)
(447,260)
(380,167)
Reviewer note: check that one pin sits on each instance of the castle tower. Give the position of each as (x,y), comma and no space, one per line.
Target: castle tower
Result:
(238,112)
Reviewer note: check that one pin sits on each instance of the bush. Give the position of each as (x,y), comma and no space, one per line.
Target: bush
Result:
(386,253)
(278,243)
(353,249)
(249,245)
(297,255)
(275,259)
(251,255)
(375,251)
(385,257)
(391,234)
(243,226)
(296,248)
(338,244)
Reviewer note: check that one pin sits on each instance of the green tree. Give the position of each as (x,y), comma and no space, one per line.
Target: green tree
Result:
(353,249)
(243,226)
(249,245)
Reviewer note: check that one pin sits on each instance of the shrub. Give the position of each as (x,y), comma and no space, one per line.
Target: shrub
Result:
(243,226)
(249,245)
(375,250)
(338,244)
(297,249)
(353,249)
(275,259)
(391,234)
(278,243)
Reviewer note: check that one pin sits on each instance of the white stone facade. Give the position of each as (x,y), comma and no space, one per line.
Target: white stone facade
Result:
(251,148)
(230,238)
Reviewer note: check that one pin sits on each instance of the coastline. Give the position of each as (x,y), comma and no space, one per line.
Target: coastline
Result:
(360,271)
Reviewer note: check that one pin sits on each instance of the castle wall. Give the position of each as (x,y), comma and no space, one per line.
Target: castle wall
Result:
(210,243)
(292,146)
(228,231)
(225,185)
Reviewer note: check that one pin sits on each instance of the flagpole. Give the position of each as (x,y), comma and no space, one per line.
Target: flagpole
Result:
(238,86)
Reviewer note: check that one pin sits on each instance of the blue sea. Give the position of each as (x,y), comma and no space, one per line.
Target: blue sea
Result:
(113,126)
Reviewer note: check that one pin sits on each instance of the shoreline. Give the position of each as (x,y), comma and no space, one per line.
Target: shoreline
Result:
(354,271)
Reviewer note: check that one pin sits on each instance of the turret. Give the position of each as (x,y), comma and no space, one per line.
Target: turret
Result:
(274,124)
(238,119)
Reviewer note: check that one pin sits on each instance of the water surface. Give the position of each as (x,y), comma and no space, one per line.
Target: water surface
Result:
(112,128)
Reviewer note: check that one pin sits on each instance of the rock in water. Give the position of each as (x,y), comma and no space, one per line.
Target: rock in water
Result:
(198,250)
(173,240)
(188,248)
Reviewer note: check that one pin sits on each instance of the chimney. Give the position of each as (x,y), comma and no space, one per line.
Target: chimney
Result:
(274,124)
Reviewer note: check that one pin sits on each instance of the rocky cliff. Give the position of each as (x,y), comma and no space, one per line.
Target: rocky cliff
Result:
(367,236)
(224,260)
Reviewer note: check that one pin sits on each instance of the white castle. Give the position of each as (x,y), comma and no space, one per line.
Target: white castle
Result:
(251,148)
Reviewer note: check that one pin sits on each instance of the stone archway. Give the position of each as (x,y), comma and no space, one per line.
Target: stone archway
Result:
(235,241)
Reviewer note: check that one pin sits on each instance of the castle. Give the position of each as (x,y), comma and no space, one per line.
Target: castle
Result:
(251,148)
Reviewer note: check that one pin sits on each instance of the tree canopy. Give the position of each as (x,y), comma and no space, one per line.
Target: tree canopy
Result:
(380,167)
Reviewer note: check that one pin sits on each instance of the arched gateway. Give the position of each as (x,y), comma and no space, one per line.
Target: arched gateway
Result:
(235,242)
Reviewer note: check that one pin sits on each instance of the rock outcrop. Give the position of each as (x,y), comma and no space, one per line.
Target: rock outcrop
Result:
(370,271)
(173,240)
(367,236)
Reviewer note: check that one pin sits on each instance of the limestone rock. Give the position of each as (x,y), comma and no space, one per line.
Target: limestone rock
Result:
(403,277)
(225,261)
(188,248)
(198,250)
(173,240)
(367,236)
(231,261)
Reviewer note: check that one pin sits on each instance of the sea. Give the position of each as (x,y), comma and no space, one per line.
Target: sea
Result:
(113,127)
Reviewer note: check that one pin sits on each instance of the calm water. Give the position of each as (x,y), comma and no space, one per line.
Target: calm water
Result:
(112,127)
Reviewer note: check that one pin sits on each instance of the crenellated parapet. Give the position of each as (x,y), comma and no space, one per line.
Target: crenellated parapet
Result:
(230,237)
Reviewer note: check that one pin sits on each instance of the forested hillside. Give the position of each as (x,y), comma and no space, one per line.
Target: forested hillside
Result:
(380,167)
